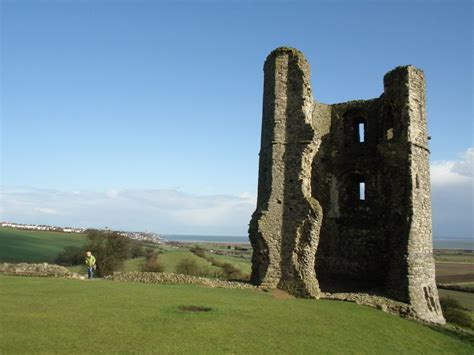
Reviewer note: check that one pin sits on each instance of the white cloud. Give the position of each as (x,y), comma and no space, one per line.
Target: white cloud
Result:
(46,210)
(444,173)
(112,194)
(453,172)
(171,211)
(164,211)
(466,166)
(452,189)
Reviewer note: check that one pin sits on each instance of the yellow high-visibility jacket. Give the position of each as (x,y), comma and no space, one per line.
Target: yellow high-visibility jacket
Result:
(90,261)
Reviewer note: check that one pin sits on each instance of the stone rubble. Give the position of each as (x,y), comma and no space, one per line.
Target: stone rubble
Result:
(170,278)
(38,270)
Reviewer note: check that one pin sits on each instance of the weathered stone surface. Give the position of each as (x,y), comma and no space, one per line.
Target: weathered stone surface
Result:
(38,270)
(313,228)
(285,227)
(170,278)
(384,304)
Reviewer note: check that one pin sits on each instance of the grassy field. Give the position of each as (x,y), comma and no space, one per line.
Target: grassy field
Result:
(454,256)
(35,246)
(465,298)
(452,267)
(172,258)
(72,316)
(243,265)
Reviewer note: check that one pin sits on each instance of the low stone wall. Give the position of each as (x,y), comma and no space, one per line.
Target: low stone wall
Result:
(384,304)
(169,278)
(38,270)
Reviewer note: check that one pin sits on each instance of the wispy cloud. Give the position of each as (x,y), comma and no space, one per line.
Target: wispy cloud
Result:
(174,211)
(165,211)
(452,189)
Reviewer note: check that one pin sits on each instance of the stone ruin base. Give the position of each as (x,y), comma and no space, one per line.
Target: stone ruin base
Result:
(384,304)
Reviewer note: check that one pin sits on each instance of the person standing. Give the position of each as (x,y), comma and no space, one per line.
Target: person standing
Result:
(90,263)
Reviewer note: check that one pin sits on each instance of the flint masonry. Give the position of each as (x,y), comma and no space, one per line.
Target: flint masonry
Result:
(344,190)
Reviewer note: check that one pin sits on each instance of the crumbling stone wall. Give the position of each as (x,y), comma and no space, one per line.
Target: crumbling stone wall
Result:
(38,270)
(343,196)
(170,278)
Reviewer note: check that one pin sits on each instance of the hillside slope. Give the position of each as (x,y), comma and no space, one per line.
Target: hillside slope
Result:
(18,245)
(68,316)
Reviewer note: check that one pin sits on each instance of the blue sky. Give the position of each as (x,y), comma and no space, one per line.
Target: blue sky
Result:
(146,114)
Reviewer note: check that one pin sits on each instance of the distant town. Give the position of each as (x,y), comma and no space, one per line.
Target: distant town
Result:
(141,236)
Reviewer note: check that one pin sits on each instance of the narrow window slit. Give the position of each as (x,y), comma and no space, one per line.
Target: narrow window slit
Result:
(362,191)
(361,131)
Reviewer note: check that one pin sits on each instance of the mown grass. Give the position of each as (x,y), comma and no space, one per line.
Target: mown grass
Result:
(35,246)
(71,316)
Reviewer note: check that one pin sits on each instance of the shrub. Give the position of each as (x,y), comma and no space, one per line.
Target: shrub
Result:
(152,263)
(70,256)
(455,313)
(199,251)
(153,266)
(137,251)
(110,250)
(188,267)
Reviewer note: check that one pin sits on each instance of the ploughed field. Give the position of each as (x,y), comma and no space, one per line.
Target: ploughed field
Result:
(455,267)
(68,316)
(455,273)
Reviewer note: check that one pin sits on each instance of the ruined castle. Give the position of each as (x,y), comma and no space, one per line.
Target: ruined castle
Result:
(344,202)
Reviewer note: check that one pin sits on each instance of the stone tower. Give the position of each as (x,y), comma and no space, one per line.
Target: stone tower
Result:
(344,201)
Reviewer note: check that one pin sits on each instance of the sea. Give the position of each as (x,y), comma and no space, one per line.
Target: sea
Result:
(438,243)
(206,238)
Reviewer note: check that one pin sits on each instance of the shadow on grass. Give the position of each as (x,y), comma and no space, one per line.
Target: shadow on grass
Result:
(194,309)
(467,336)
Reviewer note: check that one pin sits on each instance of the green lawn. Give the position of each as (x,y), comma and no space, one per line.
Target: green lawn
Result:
(72,316)
(134,264)
(35,246)
(465,298)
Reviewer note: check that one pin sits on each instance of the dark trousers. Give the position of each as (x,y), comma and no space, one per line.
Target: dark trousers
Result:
(90,272)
